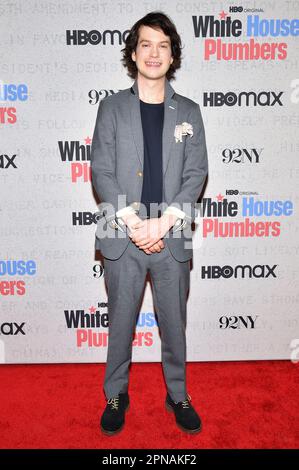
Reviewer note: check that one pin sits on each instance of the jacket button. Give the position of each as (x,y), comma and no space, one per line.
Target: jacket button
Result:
(139,173)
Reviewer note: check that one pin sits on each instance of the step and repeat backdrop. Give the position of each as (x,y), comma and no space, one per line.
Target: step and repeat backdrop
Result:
(58,61)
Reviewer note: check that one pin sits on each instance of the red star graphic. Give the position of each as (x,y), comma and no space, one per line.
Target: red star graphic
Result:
(219,197)
(88,140)
(92,309)
(223,15)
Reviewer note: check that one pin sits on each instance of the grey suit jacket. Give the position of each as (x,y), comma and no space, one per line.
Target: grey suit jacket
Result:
(117,166)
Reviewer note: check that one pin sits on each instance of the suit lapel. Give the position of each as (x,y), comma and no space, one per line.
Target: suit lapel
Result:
(170,119)
(136,125)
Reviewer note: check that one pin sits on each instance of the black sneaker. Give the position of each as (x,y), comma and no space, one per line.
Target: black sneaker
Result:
(113,418)
(185,415)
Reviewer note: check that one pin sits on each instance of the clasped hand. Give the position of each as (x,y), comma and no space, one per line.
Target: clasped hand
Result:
(147,234)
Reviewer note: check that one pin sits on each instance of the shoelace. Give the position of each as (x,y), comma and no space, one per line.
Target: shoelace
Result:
(113,402)
(185,403)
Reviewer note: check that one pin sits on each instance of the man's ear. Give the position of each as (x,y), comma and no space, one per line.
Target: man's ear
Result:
(133,54)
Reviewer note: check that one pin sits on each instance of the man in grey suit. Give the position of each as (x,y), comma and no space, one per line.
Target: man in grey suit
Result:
(149,165)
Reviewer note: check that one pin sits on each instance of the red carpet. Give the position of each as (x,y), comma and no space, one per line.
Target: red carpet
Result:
(242,404)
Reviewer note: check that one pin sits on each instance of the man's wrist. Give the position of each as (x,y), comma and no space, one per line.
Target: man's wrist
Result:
(169,220)
(130,219)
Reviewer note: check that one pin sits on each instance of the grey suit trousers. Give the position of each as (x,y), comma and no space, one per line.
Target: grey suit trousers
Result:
(125,279)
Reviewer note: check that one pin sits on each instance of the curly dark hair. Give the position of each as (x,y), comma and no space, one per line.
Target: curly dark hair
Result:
(156,20)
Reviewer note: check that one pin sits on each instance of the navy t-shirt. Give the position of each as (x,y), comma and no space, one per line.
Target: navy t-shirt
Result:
(152,117)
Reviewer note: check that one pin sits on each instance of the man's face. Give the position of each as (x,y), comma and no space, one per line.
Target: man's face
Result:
(153,53)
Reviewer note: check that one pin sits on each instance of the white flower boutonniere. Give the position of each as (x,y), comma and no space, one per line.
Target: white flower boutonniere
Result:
(182,129)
